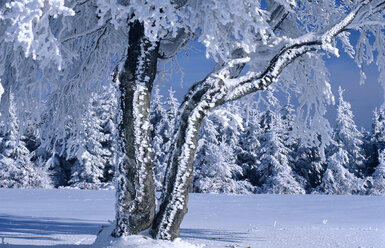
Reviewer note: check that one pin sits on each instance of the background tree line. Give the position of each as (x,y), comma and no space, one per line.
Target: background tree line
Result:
(244,147)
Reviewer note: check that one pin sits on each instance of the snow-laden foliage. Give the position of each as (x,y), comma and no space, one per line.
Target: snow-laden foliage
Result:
(347,136)
(160,133)
(16,168)
(28,28)
(337,178)
(160,18)
(308,166)
(310,125)
(88,58)
(248,149)
(216,168)
(225,31)
(276,173)
(378,187)
(378,132)
(95,159)
(163,114)
(374,140)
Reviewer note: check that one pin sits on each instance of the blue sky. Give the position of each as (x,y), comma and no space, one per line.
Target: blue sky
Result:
(343,71)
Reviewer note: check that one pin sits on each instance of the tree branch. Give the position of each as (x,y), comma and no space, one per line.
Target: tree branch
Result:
(254,82)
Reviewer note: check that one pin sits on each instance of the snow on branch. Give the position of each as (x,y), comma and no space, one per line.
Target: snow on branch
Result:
(28,27)
(253,82)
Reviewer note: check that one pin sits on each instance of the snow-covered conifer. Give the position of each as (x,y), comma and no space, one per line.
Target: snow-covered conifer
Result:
(308,166)
(248,148)
(95,147)
(337,179)
(163,114)
(377,139)
(275,173)
(216,170)
(348,137)
(16,167)
(172,105)
(378,187)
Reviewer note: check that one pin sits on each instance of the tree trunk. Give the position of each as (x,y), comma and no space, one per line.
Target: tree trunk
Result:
(201,98)
(178,176)
(135,190)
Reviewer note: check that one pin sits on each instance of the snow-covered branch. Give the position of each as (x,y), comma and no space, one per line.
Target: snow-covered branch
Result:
(28,27)
(253,82)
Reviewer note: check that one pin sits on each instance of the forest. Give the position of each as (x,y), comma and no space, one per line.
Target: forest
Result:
(244,147)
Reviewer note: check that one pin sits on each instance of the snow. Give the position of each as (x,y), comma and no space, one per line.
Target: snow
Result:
(72,218)
(1,90)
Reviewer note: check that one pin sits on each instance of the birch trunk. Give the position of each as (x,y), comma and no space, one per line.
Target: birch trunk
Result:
(135,195)
(178,177)
(202,97)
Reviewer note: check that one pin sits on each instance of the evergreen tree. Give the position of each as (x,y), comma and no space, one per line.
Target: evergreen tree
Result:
(172,105)
(338,179)
(95,146)
(377,139)
(378,187)
(275,173)
(348,137)
(249,145)
(216,170)
(370,153)
(160,129)
(163,115)
(16,168)
(308,166)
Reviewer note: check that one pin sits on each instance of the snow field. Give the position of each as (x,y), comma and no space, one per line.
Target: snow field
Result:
(72,218)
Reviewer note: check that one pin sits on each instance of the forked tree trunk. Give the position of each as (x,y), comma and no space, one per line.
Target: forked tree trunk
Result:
(201,98)
(135,190)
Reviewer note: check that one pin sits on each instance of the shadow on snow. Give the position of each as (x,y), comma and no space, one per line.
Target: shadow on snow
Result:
(217,235)
(29,228)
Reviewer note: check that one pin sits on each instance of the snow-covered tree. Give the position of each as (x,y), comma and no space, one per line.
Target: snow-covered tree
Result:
(275,173)
(216,170)
(16,167)
(305,161)
(337,179)
(345,172)
(94,154)
(163,114)
(348,137)
(247,151)
(378,187)
(377,139)
(158,120)
(55,51)
(308,166)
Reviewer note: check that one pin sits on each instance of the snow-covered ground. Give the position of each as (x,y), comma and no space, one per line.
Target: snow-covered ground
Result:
(72,218)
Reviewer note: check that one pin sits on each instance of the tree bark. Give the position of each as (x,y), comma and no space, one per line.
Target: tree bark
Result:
(135,195)
(179,173)
(201,98)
